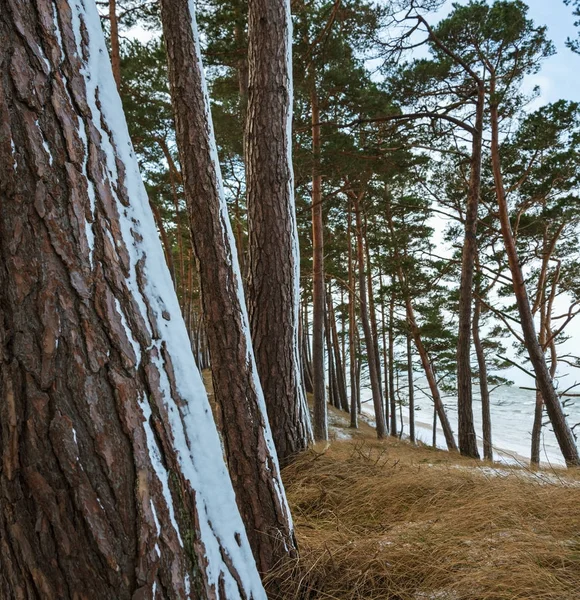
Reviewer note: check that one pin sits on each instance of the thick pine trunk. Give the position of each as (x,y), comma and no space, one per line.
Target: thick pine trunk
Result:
(274,259)
(466,428)
(364,315)
(112,483)
(248,444)
(318,296)
(544,380)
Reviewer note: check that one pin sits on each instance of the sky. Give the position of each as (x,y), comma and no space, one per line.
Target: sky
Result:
(559,76)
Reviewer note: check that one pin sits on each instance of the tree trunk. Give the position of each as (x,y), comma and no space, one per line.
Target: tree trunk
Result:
(430,375)
(318,300)
(411,385)
(248,444)
(385,364)
(483,387)
(274,258)
(112,483)
(306,352)
(544,381)
(337,355)
(352,325)
(392,398)
(115,47)
(466,428)
(364,315)
(372,309)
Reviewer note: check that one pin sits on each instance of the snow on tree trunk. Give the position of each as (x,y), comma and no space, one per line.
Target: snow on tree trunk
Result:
(112,483)
(274,260)
(249,447)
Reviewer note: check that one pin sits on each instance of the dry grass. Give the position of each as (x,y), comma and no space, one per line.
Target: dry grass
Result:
(392,522)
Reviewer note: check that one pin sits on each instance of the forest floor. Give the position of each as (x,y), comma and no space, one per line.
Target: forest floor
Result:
(392,521)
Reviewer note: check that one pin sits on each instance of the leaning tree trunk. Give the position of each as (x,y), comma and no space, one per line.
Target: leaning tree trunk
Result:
(248,444)
(274,259)
(544,381)
(483,385)
(112,483)
(364,316)
(466,428)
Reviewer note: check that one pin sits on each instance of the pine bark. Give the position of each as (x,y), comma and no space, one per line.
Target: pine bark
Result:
(115,46)
(544,380)
(466,428)
(393,400)
(411,387)
(352,325)
(318,296)
(483,386)
(111,464)
(364,316)
(274,259)
(248,444)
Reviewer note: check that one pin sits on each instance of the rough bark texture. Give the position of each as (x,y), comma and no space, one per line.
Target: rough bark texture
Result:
(112,484)
(318,295)
(466,428)
(273,284)
(544,380)
(244,425)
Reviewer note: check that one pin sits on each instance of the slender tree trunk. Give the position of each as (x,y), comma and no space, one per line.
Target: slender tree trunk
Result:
(306,351)
(483,387)
(411,385)
(333,398)
(364,315)
(372,309)
(339,370)
(466,428)
(352,325)
(320,417)
(385,363)
(392,398)
(164,240)
(112,483)
(247,438)
(115,46)
(430,375)
(544,381)
(274,258)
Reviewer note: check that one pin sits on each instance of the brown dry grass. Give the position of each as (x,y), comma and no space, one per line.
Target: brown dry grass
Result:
(394,522)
